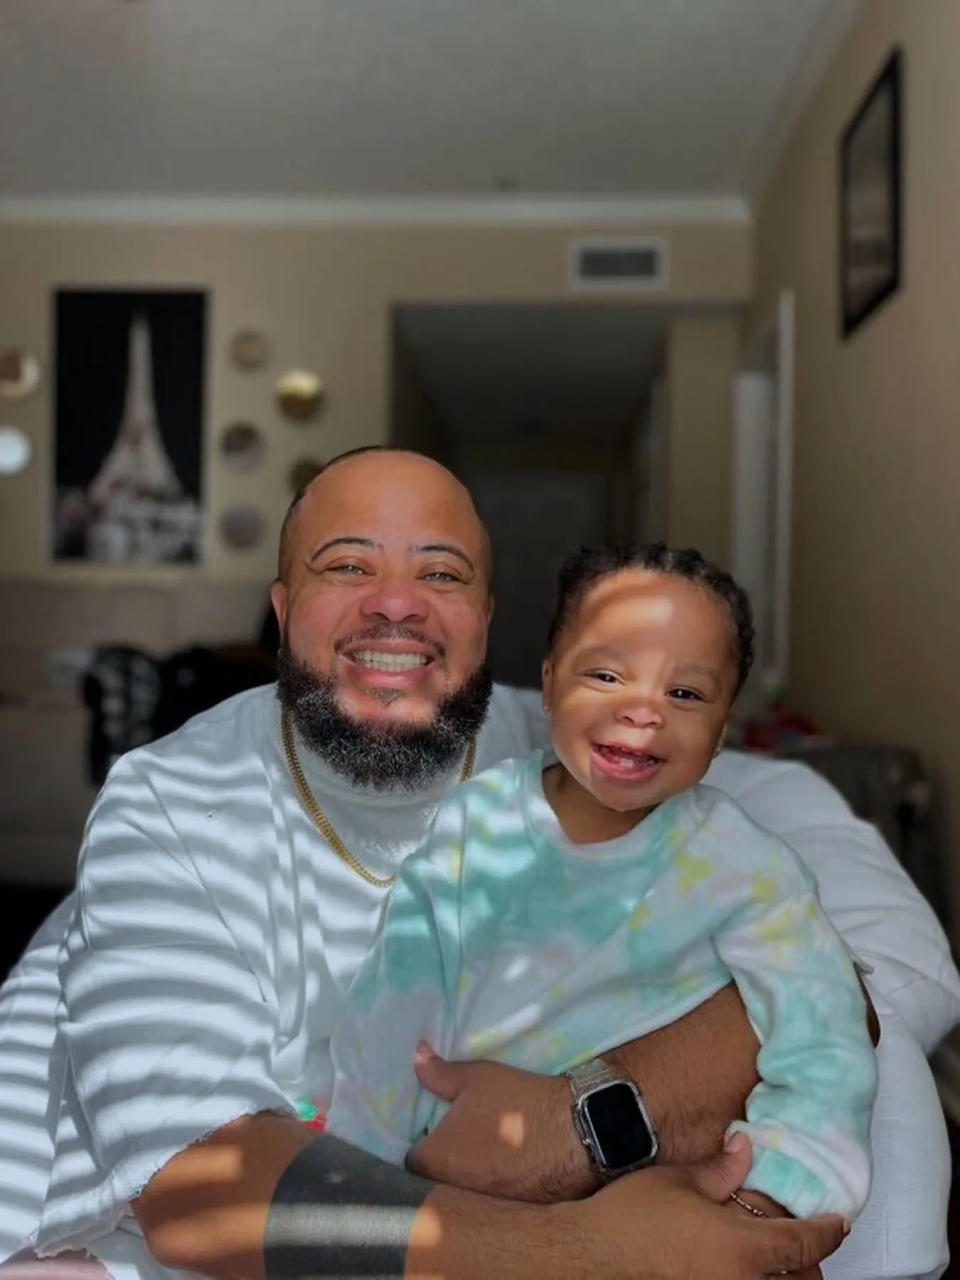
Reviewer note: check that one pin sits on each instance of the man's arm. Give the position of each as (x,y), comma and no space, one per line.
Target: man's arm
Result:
(695,1074)
(138,1090)
(206,1209)
(265,1198)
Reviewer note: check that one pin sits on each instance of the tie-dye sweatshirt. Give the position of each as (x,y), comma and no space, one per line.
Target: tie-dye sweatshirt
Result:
(503,940)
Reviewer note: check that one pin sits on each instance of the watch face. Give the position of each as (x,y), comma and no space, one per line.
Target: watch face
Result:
(621,1133)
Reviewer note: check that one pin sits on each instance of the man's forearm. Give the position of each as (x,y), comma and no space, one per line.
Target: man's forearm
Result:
(264,1198)
(695,1075)
(338,1211)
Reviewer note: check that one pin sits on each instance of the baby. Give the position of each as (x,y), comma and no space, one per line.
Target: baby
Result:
(576,899)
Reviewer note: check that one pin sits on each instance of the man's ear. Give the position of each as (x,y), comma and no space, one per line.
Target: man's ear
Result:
(278,598)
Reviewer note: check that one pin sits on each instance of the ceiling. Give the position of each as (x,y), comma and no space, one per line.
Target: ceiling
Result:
(398,97)
(534,370)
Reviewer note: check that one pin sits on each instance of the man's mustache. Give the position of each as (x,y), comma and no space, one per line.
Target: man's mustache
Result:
(390,631)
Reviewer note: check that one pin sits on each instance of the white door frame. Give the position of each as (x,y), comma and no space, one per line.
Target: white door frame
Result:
(762,493)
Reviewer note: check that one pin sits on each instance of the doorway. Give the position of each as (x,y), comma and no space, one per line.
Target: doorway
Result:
(552,415)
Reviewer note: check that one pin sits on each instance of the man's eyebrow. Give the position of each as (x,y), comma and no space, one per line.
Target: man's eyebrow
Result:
(448,547)
(347,539)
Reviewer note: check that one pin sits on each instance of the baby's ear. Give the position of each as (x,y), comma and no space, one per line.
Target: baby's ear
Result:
(721,741)
(546,682)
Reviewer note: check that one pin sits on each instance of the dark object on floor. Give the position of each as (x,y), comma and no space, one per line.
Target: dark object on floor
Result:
(134,698)
(121,690)
(888,787)
(23,908)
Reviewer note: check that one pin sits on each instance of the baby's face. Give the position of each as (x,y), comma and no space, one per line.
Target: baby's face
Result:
(639,686)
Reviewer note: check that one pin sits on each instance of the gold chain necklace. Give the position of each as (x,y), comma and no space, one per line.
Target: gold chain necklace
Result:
(320,819)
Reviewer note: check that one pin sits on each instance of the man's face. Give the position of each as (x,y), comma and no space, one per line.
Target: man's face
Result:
(387,590)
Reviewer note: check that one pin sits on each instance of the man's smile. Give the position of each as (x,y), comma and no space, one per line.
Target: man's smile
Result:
(390,664)
(383,661)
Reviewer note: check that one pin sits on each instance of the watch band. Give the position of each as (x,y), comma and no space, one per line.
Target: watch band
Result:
(590,1075)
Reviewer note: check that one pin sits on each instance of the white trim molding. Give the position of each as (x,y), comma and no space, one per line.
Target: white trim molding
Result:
(309,211)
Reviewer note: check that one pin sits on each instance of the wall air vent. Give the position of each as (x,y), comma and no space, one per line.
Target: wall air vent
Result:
(616,263)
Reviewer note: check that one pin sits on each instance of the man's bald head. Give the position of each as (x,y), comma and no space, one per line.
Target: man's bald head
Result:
(384,608)
(370,464)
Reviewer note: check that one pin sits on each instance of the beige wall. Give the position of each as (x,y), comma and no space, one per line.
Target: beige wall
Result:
(876,608)
(703,353)
(322,294)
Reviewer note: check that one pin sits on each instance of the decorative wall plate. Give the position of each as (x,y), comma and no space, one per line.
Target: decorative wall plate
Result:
(241,446)
(299,394)
(241,527)
(249,350)
(19,373)
(302,472)
(15,450)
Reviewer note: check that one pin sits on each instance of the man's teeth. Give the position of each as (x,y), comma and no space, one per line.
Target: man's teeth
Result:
(389,661)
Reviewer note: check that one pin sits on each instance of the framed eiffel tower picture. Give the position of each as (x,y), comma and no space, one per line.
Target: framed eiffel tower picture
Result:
(128,427)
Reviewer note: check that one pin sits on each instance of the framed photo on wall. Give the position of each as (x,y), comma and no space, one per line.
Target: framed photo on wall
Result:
(128,431)
(871,198)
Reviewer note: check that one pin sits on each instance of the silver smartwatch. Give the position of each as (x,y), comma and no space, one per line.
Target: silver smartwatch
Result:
(611,1119)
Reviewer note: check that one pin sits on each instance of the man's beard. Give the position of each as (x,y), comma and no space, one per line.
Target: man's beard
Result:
(384,756)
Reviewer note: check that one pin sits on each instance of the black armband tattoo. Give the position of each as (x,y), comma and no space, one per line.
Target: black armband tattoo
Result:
(340,1212)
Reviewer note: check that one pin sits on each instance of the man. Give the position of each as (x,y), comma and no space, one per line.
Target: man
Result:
(230,881)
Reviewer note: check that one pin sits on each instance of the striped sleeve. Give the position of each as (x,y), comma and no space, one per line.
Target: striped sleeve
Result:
(163,1031)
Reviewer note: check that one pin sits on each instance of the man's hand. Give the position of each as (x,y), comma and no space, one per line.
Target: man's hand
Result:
(508,1132)
(691,1233)
(658,1224)
(763,1204)
(768,1209)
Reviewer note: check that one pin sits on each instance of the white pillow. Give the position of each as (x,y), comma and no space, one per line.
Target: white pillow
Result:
(883,917)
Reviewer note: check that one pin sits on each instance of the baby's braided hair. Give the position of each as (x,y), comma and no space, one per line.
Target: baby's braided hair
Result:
(587,566)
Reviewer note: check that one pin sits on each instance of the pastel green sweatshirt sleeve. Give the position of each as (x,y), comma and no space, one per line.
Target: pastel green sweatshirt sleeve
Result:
(404,991)
(808,1119)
